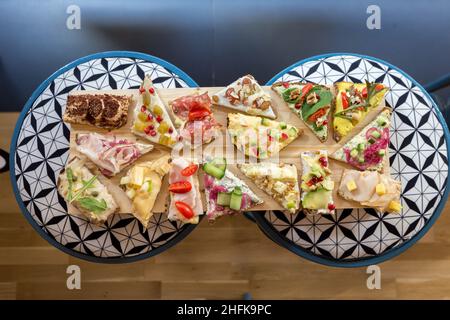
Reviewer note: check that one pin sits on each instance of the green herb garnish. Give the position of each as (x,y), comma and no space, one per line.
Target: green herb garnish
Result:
(93,205)
(86,185)
(69,174)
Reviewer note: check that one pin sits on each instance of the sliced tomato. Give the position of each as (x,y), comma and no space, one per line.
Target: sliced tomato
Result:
(189,170)
(180,187)
(184,209)
(316,115)
(364,92)
(344,100)
(307,88)
(198,115)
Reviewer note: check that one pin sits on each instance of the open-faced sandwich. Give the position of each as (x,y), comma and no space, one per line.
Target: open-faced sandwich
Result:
(142,184)
(185,199)
(151,119)
(311,102)
(353,102)
(368,149)
(109,152)
(371,189)
(85,191)
(317,186)
(260,137)
(277,180)
(245,95)
(226,194)
(109,111)
(195,120)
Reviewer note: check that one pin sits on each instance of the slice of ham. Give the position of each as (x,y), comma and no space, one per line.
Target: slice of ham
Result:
(191,198)
(200,131)
(109,152)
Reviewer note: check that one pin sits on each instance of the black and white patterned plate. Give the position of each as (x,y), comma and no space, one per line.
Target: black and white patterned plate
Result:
(39,150)
(419,158)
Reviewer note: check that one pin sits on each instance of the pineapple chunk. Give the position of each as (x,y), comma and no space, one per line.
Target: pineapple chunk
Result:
(351,185)
(380,189)
(394,206)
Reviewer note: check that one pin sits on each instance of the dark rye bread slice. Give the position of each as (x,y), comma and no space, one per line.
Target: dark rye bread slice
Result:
(101,110)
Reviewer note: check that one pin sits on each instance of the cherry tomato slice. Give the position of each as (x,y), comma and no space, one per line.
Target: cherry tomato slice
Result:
(180,187)
(379,87)
(364,92)
(184,209)
(198,115)
(189,170)
(344,100)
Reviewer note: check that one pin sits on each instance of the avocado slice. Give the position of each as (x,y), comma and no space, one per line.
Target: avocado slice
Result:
(317,199)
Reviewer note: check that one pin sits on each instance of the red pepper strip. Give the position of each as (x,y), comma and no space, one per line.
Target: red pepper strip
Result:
(316,115)
(344,100)
(364,92)
(307,88)
(180,187)
(184,209)
(379,87)
(189,170)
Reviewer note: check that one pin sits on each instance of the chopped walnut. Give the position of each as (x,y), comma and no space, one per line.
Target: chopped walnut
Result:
(312,98)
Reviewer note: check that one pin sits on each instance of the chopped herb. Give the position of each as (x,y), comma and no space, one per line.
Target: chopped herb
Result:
(92,204)
(86,185)
(69,174)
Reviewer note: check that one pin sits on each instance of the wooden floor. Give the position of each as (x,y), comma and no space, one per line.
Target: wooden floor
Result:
(222,261)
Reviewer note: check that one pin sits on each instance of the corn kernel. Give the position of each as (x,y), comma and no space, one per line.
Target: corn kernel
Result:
(380,189)
(351,185)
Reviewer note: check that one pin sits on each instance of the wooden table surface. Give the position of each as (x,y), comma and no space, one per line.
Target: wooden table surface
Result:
(221,261)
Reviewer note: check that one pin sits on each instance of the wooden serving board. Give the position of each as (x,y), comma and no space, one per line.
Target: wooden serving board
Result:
(291,154)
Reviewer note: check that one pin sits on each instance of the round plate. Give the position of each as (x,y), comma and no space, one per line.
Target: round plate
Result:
(418,156)
(39,150)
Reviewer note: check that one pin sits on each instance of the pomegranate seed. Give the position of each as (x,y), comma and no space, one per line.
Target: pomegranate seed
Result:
(153,133)
(331,206)
(325,122)
(170,130)
(143,108)
(159,118)
(284,136)
(151,90)
(147,130)
(141,90)
(150,117)
(151,127)
(286,84)
(298,106)
(323,161)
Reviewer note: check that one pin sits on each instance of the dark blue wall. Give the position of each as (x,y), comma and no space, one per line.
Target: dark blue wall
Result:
(216,41)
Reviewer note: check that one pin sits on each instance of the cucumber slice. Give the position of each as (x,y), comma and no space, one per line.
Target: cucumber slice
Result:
(361,146)
(223,199)
(290,205)
(381,152)
(283,125)
(376,134)
(354,153)
(236,199)
(381,122)
(214,171)
(292,132)
(220,163)
(265,122)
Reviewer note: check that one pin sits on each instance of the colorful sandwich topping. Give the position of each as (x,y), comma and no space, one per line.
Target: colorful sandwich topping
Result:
(151,119)
(226,194)
(194,118)
(310,102)
(260,137)
(83,190)
(277,180)
(353,102)
(246,95)
(142,184)
(371,189)
(185,199)
(109,152)
(368,149)
(317,185)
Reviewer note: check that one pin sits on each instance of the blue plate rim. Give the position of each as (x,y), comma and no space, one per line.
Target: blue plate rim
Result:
(269,230)
(106,54)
